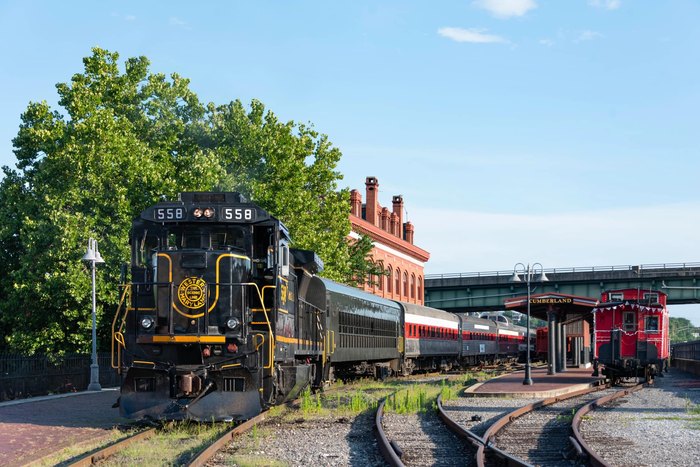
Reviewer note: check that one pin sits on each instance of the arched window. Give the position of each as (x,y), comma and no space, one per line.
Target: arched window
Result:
(405,284)
(413,286)
(397,283)
(380,278)
(389,278)
(420,288)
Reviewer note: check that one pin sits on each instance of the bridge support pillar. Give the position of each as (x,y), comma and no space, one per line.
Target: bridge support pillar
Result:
(551,345)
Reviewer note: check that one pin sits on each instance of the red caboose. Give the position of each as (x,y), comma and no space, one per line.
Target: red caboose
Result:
(631,333)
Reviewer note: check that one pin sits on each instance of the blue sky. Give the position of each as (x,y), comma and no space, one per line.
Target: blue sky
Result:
(563,132)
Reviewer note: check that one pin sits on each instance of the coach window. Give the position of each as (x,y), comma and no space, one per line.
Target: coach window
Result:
(651,324)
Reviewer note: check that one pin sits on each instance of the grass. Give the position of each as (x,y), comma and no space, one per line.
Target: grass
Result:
(79,449)
(567,418)
(175,444)
(411,400)
(254,460)
(692,415)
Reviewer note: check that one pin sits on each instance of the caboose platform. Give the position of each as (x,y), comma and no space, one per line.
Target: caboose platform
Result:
(544,385)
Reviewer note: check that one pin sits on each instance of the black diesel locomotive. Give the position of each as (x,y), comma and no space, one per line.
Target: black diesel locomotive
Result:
(222,318)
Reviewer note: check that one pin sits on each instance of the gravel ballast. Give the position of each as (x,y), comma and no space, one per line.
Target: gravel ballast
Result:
(656,426)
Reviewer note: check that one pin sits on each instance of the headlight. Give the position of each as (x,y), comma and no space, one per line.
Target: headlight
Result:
(232,323)
(147,322)
(198,212)
(209,212)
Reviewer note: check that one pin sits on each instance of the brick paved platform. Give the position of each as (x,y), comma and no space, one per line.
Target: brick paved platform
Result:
(544,385)
(38,427)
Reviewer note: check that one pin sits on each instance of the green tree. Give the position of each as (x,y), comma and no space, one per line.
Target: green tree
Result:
(363,269)
(682,330)
(87,174)
(121,142)
(288,169)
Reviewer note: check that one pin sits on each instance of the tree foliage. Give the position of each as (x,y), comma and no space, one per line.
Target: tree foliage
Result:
(290,170)
(123,140)
(363,269)
(682,330)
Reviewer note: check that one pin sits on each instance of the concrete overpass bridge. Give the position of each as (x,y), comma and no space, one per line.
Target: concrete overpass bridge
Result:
(483,291)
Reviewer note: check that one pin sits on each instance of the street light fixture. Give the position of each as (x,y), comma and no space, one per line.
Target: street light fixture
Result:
(93,258)
(528,271)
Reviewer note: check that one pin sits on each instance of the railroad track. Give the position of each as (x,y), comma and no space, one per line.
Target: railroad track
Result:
(419,439)
(432,437)
(502,431)
(595,459)
(199,459)
(102,454)
(538,433)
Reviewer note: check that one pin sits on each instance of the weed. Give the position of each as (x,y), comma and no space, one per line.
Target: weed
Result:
(690,407)
(255,461)
(567,418)
(412,400)
(310,403)
(446,391)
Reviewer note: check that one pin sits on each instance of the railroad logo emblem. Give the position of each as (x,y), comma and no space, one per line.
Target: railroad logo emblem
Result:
(191,292)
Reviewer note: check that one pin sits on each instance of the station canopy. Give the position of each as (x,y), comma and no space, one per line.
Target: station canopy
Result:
(568,308)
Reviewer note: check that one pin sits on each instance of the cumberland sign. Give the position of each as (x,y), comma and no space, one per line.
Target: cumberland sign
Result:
(551,301)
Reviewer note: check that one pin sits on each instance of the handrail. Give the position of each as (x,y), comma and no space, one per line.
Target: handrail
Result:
(117,336)
(508,273)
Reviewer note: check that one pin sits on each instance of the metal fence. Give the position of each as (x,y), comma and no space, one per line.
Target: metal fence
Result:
(38,375)
(686,350)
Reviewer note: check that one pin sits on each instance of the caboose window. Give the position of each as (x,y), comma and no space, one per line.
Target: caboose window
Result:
(651,298)
(628,321)
(651,324)
(615,297)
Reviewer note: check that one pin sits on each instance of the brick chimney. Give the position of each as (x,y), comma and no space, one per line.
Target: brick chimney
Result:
(397,201)
(371,204)
(408,230)
(394,224)
(385,223)
(356,203)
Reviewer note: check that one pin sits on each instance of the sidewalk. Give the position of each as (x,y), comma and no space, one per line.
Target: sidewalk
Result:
(33,428)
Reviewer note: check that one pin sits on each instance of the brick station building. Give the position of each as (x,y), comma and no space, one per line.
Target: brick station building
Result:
(393,245)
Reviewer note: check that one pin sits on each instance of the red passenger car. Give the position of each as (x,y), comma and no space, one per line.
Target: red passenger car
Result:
(631,333)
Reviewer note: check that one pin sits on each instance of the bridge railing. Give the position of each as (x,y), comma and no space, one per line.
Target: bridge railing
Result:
(508,273)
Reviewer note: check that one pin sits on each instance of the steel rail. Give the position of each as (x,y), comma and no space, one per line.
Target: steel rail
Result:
(458,429)
(499,424)
(593,458)
(97,456)
(386,447)
(210,451)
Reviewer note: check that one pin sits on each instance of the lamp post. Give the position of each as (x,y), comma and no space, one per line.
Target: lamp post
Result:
(528,271)
(93,258)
